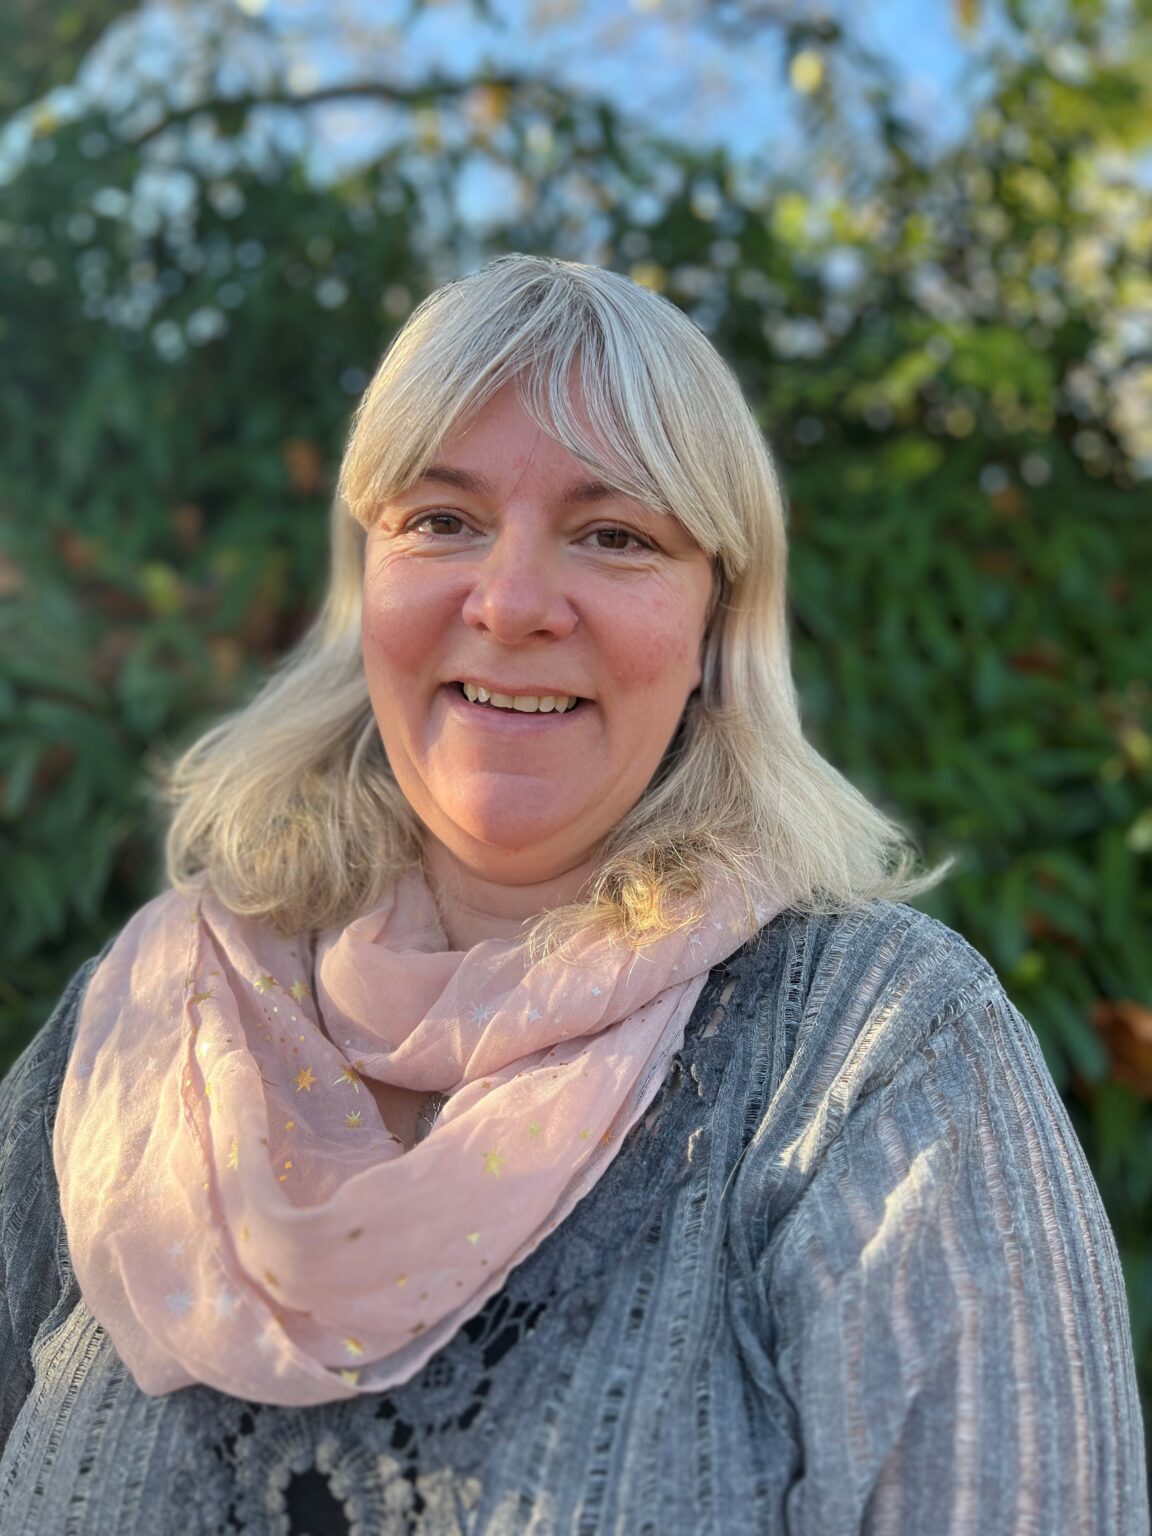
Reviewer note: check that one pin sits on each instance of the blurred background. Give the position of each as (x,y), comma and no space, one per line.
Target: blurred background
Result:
(919,229)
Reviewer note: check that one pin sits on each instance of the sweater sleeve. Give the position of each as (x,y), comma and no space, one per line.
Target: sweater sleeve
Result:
(30,1278)
(945,1308)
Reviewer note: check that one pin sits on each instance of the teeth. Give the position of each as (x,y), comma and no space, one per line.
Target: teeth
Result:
(526,703)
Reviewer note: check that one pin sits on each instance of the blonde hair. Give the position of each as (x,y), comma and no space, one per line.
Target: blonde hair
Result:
(288,809)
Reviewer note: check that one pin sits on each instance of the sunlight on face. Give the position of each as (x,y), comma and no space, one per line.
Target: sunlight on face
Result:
(510,567)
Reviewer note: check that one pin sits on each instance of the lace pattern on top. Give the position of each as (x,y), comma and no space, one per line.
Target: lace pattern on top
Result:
(410,1461)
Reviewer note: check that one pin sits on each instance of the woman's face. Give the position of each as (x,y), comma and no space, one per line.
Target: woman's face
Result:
(510,567)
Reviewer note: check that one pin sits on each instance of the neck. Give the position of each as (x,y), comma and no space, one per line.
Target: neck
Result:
(473,908)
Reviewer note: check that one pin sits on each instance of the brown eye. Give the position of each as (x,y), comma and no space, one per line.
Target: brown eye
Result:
(439,518)
(618,538)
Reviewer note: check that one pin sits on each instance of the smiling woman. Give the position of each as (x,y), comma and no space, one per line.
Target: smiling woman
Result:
(510,590)
(359,1186)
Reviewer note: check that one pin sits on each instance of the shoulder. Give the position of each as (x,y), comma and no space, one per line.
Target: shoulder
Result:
(865,985)
(841,1010)
(893,1046)
(33,1256)
(35,1077)
(29,1206)
(875,942)
(30,1089)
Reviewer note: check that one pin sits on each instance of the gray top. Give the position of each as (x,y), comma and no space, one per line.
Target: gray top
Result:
(851,1273)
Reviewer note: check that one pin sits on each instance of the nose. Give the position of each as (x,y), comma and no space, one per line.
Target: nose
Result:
(518,589)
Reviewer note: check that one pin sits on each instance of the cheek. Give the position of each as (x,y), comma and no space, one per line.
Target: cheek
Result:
(393,629)
(378,627)
(658,653)
(378,641)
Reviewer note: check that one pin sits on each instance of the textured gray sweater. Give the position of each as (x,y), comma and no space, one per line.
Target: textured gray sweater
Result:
(851,1273)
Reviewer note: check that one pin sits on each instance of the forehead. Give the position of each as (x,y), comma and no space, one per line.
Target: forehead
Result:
(505,437)
(523,435)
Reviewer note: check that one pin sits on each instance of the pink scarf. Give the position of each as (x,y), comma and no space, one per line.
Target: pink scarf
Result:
(237,1211)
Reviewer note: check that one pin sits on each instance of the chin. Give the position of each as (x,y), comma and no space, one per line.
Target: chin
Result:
(502,838)
(516,849)
(510,818)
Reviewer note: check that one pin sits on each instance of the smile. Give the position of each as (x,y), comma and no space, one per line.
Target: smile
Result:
(522,703)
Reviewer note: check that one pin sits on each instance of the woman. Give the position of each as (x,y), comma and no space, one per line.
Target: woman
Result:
(531,1108)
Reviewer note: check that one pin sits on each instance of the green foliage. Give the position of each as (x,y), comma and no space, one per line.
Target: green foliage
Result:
(41,45)
(963,424)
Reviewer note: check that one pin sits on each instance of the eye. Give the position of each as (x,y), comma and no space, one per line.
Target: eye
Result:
(423,522)
(617,538)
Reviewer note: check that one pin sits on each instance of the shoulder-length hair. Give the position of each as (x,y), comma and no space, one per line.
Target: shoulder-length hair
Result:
(288,809)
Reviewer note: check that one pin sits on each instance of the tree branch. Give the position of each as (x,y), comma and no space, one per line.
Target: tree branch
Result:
(437,87)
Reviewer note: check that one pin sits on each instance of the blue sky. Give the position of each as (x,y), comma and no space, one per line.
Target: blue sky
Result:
(645,57)
(737,95)
(651,58)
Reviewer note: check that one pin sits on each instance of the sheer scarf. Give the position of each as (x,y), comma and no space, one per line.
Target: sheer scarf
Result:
(239,1214)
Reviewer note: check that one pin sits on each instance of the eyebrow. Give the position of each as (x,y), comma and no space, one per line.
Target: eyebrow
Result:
(581,493)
